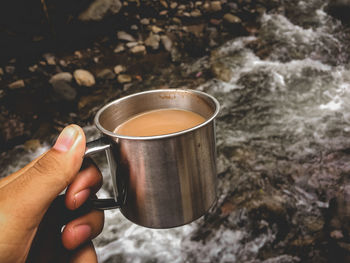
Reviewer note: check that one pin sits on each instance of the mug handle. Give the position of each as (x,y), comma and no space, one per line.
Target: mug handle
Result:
(99,145)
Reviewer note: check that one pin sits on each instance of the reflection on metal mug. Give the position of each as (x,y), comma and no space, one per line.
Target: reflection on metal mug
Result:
(159,181)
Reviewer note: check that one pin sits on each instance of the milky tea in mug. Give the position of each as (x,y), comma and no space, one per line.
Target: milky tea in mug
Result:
(159,122)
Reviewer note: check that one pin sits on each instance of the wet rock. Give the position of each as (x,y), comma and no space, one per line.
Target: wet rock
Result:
(50,59)
(196,13)
(62,76)
(173,5)
(64,91)
(144,21)
(32,145)
(119,69)
(84,78)
(106,74)
(232,19)
(119,48)
(121,35)
(221,71)
(215,6)
(167,43)
(10,69)
(99,9)
(138,50)
(18,84)
(156,29)
(153,41)
(124,78)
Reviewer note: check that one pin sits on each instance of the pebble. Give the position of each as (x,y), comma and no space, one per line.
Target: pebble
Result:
(33,68)
(62,76)
(1,71)
(138,50)
(232,19)
(106,74)
(124,78)
(144,21)
(50,59)
(215,22)
(63,63)
(182,7)
(132,44)
(167,43)
(164,4)
(153,41)
(78,54)
(10,69)
(119,48)
(64,91)
(32,145)
(134,27)
(198,3)
(18,84)
(177,20)
(163,13)
(173,5)
(121,35)
(215,6)
(196,13)
(156,29)
(119,69)
(84,78)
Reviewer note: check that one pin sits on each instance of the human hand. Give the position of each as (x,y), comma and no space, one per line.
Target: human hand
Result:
(32,214)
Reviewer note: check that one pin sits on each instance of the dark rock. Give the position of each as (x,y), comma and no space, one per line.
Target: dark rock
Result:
(106,74)
(64,91)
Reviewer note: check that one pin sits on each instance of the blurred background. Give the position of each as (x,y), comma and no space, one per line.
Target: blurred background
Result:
(281,72)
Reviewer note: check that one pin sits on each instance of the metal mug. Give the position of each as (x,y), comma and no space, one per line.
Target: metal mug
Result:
(159,181)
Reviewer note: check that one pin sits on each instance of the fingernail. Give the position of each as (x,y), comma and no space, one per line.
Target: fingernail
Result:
(66,139)
(82,233)
(80,197)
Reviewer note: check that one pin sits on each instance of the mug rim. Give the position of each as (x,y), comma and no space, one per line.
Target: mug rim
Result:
(118,136)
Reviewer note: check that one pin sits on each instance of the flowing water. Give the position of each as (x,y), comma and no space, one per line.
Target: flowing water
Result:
(283,149)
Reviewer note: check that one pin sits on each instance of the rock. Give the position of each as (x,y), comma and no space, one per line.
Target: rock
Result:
(33,68)
(64,91)
(215,6)
(63,63)
(182,7)
(221,72)
(123,78)
(153,41)
(144,21)
(17,84)
(156,29)
(121,35)
(10,69)
(62,76)
(78,54)
(119,69)
(1,71)
(134,27)
(173,5)
(215,22)
(167,43)
(32,145)
(138,50)
(164,4)
(232,19)
(119,48)
(50,59)
(198,3)
(99,9)
(132,44)
(187,14)
(84,78)
(196,13)
(106,74)
(163,13)
(177,20)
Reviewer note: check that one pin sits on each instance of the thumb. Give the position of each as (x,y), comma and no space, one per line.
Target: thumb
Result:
(37,187)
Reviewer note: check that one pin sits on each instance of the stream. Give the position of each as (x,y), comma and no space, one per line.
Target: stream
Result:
(283,140)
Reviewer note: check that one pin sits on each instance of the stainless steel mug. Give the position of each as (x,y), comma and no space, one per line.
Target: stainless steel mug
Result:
(160,181)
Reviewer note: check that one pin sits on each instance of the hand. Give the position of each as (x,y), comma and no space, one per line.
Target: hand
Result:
(32,214)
